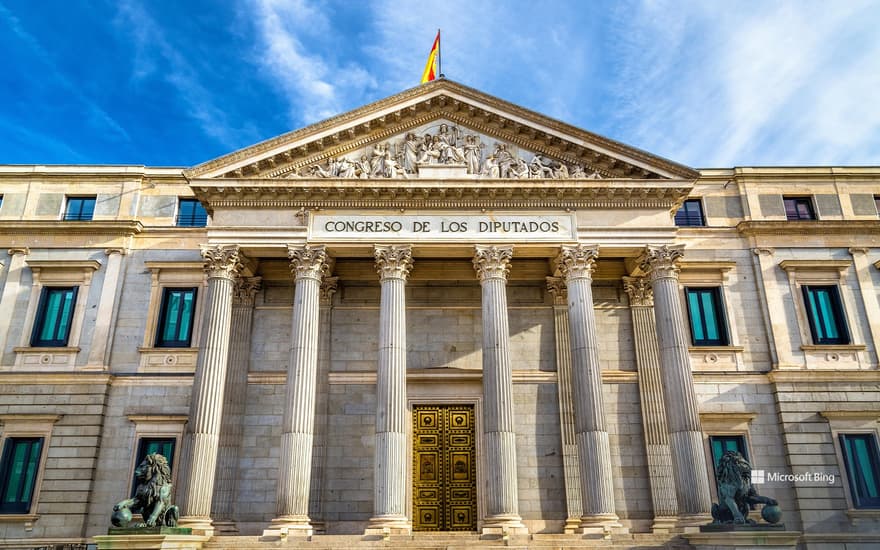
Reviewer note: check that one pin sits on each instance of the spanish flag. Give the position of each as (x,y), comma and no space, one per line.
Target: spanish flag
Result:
(430,67)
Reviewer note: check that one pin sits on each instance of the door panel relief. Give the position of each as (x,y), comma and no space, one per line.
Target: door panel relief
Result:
(444,469)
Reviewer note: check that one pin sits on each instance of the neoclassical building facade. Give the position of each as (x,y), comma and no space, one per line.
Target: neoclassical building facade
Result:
(439,312)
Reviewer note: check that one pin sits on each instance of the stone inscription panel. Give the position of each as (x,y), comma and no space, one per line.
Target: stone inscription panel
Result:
(326,226)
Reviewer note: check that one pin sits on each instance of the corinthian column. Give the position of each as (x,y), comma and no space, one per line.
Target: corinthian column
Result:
(233,408)
(685,432)
(206,405)
(393,264)
(309,265)
(492,264)
(641,303)
(594,453)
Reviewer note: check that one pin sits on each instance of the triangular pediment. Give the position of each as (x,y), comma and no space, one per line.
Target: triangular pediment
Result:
(441,130)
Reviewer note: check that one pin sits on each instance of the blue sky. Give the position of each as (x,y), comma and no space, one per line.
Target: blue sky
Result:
(176,83)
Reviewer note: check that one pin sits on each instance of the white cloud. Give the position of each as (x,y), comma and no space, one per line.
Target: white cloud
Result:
(155,54)
(316,85)
(751,83)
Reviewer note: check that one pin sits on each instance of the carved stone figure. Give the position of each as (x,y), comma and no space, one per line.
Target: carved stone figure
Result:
(503,159)
(473,153)
(152,498)
(736,494)
(411,152)
(540,167)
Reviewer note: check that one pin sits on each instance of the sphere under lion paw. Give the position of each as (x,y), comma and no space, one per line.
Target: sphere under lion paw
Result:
(771,513)
(121,517)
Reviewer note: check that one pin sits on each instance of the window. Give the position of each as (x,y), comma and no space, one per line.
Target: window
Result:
(191,213)
(79,208)
(18,473)
(799,208)
(708,327)
(176,318)
(860,457)
(876,203)
(149,445)
(690,214)
(54,316)
(825,314)
(720,444)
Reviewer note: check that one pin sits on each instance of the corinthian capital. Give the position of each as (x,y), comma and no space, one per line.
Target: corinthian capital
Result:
(556,287)
(492,262)
(246,290)
(639,291)
(577,261)
(393,262)
(308,262)
(222,261)
(661,261)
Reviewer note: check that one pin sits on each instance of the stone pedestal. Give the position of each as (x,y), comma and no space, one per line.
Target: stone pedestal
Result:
(389,497)
(742,537)
(206,407)
(492,264)
(309,265)
(150,538)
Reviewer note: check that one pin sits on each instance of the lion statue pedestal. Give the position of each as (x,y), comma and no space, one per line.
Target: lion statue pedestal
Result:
(152,501)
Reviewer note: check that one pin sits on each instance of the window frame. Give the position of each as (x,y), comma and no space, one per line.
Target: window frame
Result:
(192,220)
(799,201)
(161,321)
(79,217)
(156,426)
(6,473)
(689,218)
(815,314)
(877,204)
(873,457)
(42,311)
(724,424)
(727,436)
(29,426)
(141,452)
(716,293)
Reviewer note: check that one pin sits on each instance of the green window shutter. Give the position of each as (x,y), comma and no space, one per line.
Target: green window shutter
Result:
(18,473)
(54,317)
(708,327)
(176,318)
(862,464)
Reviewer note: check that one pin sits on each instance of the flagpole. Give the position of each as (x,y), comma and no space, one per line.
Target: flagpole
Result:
(439,56)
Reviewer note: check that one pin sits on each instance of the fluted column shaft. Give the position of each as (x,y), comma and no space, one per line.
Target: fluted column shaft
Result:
(393,264)
(660,476)
(308,264)
(502,509)
(685,432)
(9,294)
(571,469)
(576,264)
(233,408)
(206,406)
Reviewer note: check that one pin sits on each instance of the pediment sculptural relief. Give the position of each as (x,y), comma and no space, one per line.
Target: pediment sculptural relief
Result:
(444,144)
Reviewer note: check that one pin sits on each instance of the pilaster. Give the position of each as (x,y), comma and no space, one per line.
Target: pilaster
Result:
(576,264)
(222,264)
(685,432)
(660,476)
(492,264)
(309,265)
(10,295)
(393,263)
(102,336)
(233,409)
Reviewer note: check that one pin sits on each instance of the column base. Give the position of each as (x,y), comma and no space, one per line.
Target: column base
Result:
(383,526)
(664,524)
(600,526)
(225,528)
(691,523)
(503,525)
(572,525)
(288,526)
(200,525)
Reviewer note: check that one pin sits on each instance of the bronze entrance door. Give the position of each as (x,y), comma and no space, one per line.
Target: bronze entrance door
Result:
(444,469)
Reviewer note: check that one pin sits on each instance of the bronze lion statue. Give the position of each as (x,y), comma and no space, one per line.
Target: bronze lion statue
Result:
(152,498)
(736,494)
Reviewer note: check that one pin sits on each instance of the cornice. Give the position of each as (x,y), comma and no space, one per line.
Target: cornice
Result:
(785,228)
(123,228)
(487,113)
(458,193)
(823,376)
